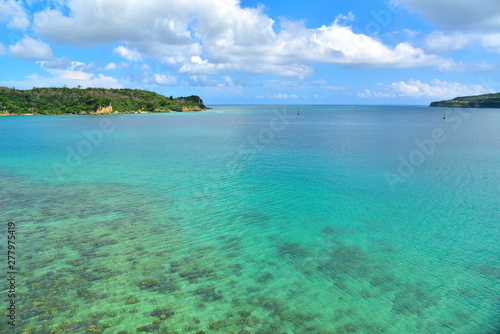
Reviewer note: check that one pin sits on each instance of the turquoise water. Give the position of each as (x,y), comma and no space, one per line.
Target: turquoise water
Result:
(253,219)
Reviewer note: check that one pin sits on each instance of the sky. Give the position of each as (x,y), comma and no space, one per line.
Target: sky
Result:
(257,52)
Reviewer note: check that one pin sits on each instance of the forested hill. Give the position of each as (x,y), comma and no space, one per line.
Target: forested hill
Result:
(91,101)
(478,101)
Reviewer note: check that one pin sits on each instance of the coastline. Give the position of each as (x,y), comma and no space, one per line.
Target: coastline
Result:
(109,113)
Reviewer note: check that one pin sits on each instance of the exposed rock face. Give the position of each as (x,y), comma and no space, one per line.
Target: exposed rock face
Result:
(104,110)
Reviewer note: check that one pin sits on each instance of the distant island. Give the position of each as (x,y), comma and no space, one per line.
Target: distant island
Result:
(478,101)
(94,101)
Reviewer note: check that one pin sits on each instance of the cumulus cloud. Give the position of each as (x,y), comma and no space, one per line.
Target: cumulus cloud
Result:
(92,22)
(203,37)
(165,80)
(131,55)
(435,89)
(111,67)
(29,48)
(340,45)
(198,66)
(13,12)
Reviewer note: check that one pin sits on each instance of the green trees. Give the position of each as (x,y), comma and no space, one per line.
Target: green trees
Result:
(53,100)
(478,101)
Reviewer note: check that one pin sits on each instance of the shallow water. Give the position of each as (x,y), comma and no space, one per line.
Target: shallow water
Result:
(340,220)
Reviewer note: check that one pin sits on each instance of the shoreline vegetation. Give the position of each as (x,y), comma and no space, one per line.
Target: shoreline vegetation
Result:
(477,101)
(91,101)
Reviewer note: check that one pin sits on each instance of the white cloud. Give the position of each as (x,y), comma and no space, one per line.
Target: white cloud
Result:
(280,96)
(165,80)
(198,66)
(93,65)
(92,22)
(13,12)
(61,63)
(227,36)
(436,89)
(123,65)
(130,55)
(410,32)
(111,67)
(416,89)
(471,15)
(491,42)
(202,80)
(29,48)
(77,66)
(70,73)
(289,52)
(439,41)
(228,82)
(68,78)
(334,87)
(226,87)
(369,94)
(463,24)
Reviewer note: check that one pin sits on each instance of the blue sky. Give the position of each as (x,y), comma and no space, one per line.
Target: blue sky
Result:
(257,52)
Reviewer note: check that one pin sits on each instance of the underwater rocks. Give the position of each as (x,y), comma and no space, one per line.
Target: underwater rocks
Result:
(162,313)
(345,261)
(265,278)
(163,285)
(209,294)
(245,313)
(174,266)
(329,230)
(131,300)
(153,328)
(412,300)
(190,274)
(292,250)
(147,283)
(217,325)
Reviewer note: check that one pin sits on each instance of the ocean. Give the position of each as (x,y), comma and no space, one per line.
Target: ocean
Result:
(253,219)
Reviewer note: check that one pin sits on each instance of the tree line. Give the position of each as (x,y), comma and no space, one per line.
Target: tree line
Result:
(52,100)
